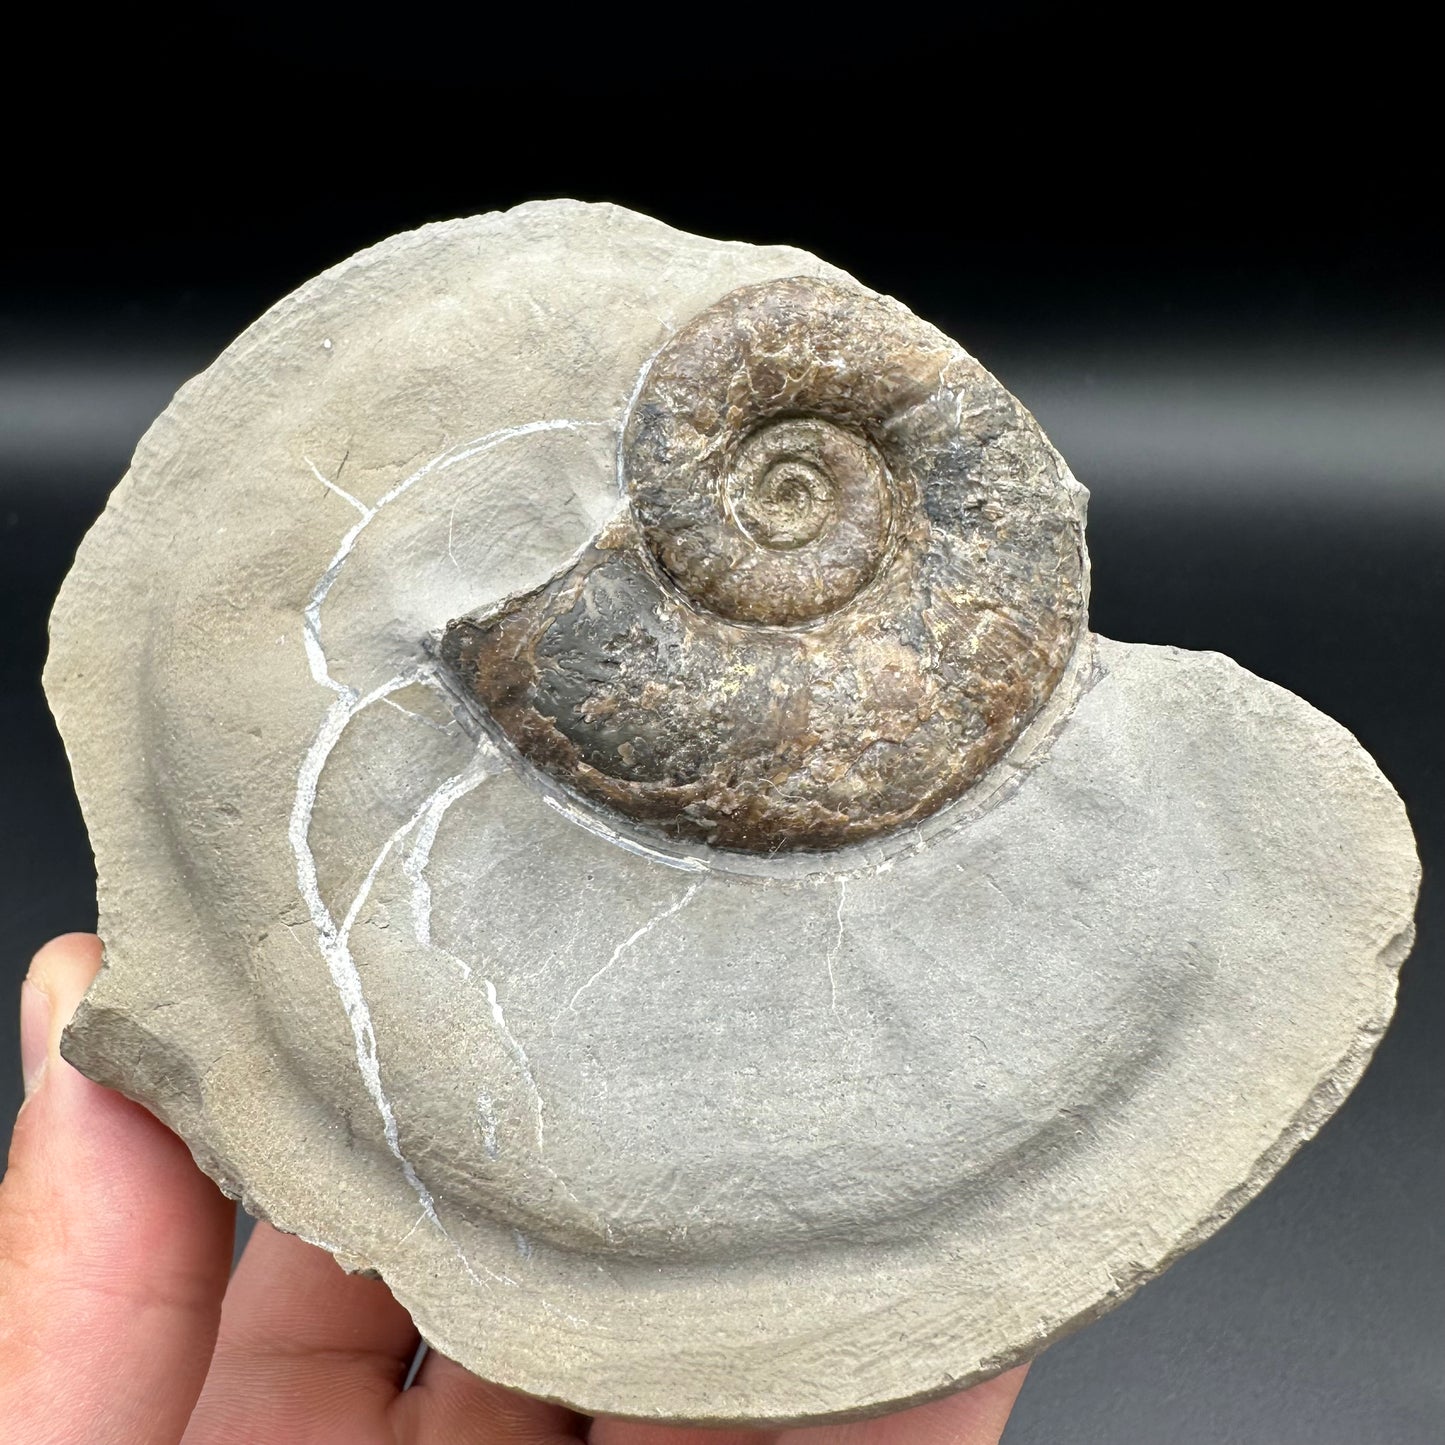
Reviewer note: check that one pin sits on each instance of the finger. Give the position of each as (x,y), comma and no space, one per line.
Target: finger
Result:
(449,1403)
(114,1248)
(971,1417)
(307,1352)
(610,1430)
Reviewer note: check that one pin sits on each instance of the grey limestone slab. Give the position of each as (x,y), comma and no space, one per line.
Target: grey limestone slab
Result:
(643,1125)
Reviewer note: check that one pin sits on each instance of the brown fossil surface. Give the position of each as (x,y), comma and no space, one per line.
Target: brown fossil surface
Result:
(850,572)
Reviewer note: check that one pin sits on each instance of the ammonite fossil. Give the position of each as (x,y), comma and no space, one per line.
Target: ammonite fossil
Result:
(609,814)
(850,572)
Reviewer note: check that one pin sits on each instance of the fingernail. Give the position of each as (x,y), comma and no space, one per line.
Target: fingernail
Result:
(34,1034)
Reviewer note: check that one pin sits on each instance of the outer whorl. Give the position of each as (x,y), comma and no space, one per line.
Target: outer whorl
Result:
(850,574)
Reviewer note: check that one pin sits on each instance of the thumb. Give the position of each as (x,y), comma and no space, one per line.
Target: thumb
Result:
(114,1248)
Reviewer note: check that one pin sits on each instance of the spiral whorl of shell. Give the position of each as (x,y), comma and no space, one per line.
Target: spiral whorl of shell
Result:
(850,574)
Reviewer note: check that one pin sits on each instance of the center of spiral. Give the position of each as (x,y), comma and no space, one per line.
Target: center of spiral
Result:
(786,505)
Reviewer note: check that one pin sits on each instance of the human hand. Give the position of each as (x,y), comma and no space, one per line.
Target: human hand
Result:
(120,1323)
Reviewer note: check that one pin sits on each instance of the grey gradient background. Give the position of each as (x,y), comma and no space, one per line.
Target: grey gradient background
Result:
(1232,330)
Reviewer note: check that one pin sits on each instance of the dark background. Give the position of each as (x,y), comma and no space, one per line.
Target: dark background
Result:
(1206,265)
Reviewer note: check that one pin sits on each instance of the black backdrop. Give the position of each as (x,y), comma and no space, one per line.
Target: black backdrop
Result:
(1220,294)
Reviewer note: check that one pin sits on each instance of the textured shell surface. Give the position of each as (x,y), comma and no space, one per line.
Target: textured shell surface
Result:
(608,814)
(850,573)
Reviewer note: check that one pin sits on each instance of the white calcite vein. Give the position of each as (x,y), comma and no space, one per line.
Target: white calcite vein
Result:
(676,906)
(333,941)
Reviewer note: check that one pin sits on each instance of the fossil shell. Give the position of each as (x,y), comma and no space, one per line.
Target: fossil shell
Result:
(850,574)
(626,1118)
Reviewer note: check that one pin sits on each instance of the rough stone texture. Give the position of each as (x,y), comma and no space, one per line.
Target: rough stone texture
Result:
(810,1137)
(851,572)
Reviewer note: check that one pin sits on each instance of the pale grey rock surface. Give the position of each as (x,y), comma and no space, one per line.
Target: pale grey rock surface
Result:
(651,1135)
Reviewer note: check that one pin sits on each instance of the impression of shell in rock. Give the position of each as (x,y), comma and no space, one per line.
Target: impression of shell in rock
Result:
(608,813)
(850,573)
